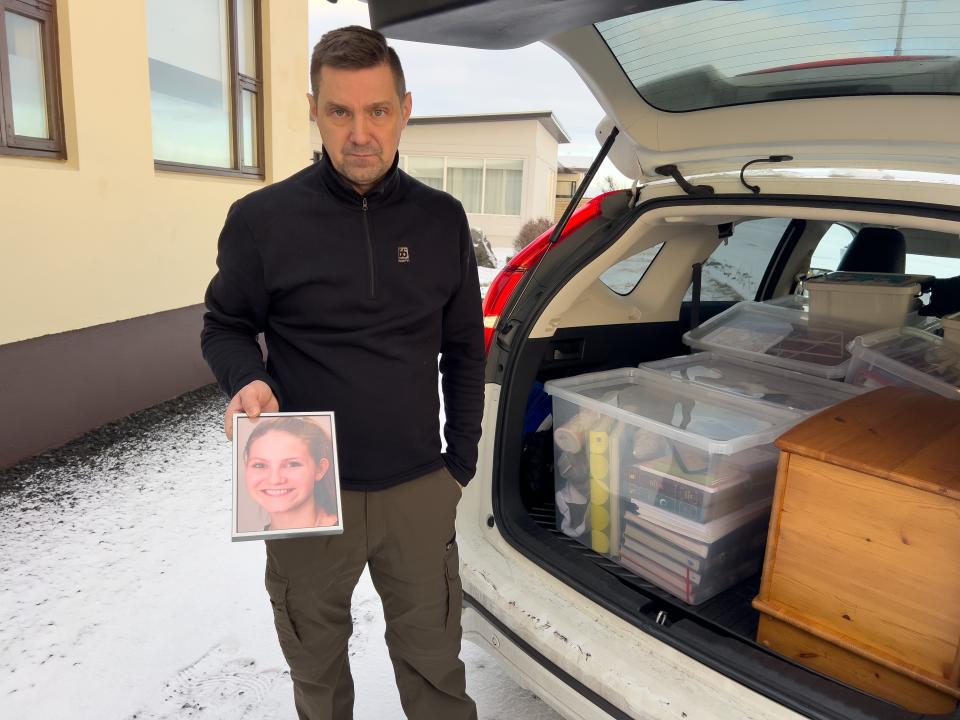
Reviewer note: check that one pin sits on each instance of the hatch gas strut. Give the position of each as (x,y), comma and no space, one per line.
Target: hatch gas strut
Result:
(506,328)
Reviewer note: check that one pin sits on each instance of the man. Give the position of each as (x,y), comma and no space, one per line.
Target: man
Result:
(359,277)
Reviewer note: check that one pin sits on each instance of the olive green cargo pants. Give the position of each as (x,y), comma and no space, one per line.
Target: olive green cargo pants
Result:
(406,534)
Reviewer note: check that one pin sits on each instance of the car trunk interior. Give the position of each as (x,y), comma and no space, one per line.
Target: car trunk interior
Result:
(720,632)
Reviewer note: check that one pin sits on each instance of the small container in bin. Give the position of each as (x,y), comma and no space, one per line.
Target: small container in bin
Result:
(906,356)
(951,328)
(713,449)
(694,561)
(755,381)
(778,336)
(865,300)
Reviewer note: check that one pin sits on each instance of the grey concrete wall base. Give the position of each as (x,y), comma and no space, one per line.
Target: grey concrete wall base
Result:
(57,387)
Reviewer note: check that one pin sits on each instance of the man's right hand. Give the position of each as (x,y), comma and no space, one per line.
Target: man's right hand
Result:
(254,398)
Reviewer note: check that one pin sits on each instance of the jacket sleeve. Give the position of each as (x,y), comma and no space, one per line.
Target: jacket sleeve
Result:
(462,361)
(237,303)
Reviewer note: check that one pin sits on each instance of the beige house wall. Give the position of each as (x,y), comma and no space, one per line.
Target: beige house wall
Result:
(106,259)
(103,236)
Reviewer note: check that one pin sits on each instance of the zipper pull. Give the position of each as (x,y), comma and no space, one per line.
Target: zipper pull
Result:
(364,204)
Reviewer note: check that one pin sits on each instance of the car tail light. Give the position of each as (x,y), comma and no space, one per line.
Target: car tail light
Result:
(507,280)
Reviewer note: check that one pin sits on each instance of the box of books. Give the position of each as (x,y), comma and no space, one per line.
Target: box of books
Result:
(694,561)
(627,436)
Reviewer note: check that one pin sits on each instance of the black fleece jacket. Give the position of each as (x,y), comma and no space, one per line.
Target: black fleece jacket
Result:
(356,297)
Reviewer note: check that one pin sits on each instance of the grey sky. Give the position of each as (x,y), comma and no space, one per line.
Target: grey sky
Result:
(447,80)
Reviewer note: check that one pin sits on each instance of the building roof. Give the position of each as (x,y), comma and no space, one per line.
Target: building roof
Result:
(546,118)
(574,163)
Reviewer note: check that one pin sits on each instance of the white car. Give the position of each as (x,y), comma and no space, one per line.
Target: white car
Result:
(767,137)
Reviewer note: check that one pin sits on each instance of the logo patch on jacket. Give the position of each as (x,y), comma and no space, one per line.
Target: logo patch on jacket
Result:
(403,254)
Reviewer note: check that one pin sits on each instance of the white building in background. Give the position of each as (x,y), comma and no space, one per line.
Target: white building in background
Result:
(502,167)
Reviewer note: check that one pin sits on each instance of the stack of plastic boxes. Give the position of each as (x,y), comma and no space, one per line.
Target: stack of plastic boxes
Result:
(669,469)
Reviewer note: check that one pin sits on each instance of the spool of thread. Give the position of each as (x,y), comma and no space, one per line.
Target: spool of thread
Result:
(599,441)
(599,518)
(600,542)
(599,466)
(572,467)
(599,492)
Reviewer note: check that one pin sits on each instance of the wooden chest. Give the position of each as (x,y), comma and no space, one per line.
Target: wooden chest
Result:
(861,579)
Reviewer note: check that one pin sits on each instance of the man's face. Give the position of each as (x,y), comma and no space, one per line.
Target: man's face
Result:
(360,118)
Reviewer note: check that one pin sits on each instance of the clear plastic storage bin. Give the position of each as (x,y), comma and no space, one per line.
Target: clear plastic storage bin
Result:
(913,319)
(906,356)
(755,381)
(867,300)
(631,437)
(694,561)
(778,336)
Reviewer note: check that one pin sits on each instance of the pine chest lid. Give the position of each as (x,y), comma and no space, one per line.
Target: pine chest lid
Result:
(901,434)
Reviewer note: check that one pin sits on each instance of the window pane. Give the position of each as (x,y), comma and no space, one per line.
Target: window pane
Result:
(566,188)
(831,248)
(709,54)
(25,55)
(503,187)
(465,182)
(249,101)
(246,38)
(736,268)
(623,277)
(188,47)
(428,170)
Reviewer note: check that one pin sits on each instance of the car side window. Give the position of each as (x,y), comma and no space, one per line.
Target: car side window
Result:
(623,277)
(735,269)
(831,248)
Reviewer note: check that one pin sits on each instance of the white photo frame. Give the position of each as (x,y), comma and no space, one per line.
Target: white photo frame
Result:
(286,477)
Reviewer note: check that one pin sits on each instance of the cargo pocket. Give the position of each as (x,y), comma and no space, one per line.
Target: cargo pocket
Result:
(286,632)
(451,566)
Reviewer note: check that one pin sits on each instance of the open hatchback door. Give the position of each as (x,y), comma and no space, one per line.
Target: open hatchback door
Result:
(769,139)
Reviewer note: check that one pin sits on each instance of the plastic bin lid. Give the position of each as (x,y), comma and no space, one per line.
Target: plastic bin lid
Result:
(703,532)
(777,336)
(716,422)
(868,282)
(917,356)
(765,383)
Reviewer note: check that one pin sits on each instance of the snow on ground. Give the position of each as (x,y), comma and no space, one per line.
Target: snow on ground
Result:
(123,598)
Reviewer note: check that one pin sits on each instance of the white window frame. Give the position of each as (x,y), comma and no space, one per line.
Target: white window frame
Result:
(483,178)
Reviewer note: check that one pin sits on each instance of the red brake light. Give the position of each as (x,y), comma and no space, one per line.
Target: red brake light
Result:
(506,281)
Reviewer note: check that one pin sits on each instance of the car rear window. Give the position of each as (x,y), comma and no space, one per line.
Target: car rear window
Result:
(735,269)
(715,53)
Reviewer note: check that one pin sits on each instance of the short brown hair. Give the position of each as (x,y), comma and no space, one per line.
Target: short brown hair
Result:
(355,48)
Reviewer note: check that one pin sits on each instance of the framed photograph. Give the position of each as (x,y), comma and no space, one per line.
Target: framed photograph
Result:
(286,480)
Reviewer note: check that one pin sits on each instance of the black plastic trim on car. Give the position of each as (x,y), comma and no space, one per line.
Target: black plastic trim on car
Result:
(785,682)
(566,678)
(788,243)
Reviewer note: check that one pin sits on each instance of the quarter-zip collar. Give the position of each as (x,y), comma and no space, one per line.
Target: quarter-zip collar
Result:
(342,190)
